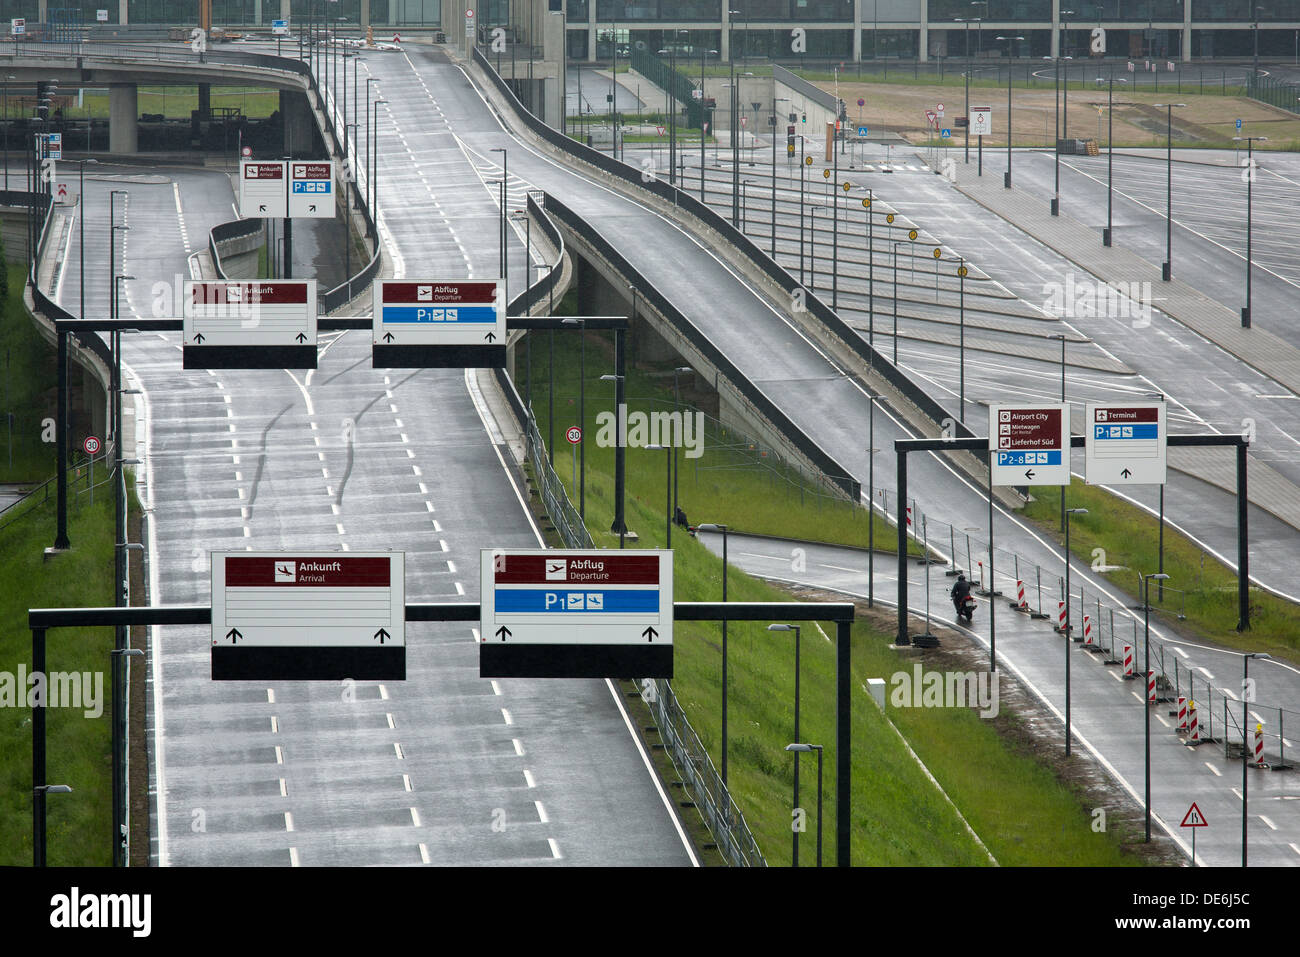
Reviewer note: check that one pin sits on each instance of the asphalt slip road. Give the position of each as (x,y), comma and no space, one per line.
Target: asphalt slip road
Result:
(444,768)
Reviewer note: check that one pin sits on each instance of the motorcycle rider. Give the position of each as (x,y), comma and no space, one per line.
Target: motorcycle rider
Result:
(960,592)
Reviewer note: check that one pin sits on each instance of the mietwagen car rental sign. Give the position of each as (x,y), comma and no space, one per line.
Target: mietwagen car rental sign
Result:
(429,324)
(1030,444)
(308,615)
(550,613)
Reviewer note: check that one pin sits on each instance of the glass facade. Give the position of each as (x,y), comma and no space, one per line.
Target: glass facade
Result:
(663,10)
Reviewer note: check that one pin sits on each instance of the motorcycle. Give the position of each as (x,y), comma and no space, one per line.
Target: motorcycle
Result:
(965,608)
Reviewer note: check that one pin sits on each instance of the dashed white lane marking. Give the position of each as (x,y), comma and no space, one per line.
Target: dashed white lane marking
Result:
(460,589)
(416,470)
(424,854)
(1204,672)
(1238,793)
(1217,772)
(423,489)
(1294,848)
(339,527)
(1163,721)
(451,566)
(1258,719)
(528,778)
(541,813)
(284,788)
(519,746)
(437,526)
(1136,695)
(427,505)
(1270,824)
(288,820)
(383,693)
(555,849)
(496,688)
(442,544)
(293,857)
(406,783)
(415,817)
(1118,677)
(397,749)
(180,218)
(389,716)
(270,696)
(279,755)
(1229,694)
(1180,651)
(506,715)
(275,725)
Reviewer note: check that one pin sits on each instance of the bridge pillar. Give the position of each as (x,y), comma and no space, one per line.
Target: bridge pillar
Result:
(296,114)
(122,12)
(365,14)
(205,101)
(123,117)
(284,9)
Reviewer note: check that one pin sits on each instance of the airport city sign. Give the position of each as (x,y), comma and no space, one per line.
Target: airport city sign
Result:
(1124,444)
(269,324)
(311,189)
(287,616)
(585,613)
(1030,444)
(433,324)
(262,190)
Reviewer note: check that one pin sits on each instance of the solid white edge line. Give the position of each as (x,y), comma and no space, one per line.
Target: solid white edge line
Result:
(480,406)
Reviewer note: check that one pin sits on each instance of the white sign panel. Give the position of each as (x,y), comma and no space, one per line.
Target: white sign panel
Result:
(299,615)
(262,190)
(269,324)
(439,324)
(1125,444)
(17,27)
(54,146)
(576,613)
(1030,444)
(981,121)
(101,16)
(469,23)
(279,28)
(311,189)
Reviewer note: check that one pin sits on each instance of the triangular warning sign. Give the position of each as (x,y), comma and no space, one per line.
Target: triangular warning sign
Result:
(1194,817)
(397,38)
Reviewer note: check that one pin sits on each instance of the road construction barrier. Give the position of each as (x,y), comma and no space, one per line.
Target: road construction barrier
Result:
(1087,631)
(1020,604)
(1060,617)
(1259,746)
(1151,687)
(1193,727)
(1182,712)
(1128,661)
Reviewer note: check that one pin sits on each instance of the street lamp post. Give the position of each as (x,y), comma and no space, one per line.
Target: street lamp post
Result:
(774,125)
(895,334)
(871,271)
(677,403)
(581,323)
(795,629)
(373,182)
(1066,632)
(1107,233)
(797,748)
(668,490)
(369,80)
(505,266)
(804,163)
(1250,180)
(871,500)
(1246,697)
(1006,176)
(1146,707)
(812,246)
(1167,267)
(712,527)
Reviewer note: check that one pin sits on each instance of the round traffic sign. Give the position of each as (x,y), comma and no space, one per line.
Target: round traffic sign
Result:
(940,107)
(91,445)
(866,203)
(847,186)
(961,271)
(247,151)
(574,435)
(937,252)
(826,174)
(889,217)
(861,102)
(911,234)
(807,161)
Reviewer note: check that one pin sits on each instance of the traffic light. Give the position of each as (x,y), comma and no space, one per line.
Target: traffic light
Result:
(42,100)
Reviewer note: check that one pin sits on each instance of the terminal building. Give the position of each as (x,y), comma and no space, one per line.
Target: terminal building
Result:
(831,30)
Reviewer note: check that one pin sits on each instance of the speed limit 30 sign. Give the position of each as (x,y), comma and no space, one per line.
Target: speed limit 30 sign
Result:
(574,435)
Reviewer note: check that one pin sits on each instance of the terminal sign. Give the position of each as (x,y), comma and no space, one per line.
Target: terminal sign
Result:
(1125,444)
(576,614)
(1030,444)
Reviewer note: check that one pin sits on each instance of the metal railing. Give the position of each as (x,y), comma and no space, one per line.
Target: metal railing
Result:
(568,524)
(674,82)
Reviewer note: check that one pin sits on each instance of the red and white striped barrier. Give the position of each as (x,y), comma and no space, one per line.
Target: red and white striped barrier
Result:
(909,516)
(1087,630)
(981,582)
(1151,687)
(1193,729)
(1128,661)
(1182,712)
(1021,603)
(1259,746)
(1060,616)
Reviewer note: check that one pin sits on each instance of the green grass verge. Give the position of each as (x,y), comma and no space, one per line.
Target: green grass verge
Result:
(29,374)
(730,483)
(1199,584)
(173,102)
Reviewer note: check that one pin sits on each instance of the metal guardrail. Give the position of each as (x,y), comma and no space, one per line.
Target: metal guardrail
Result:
(559,509)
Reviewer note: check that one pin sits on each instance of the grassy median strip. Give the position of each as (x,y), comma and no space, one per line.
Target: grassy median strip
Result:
(1199,585)
(77,662)
(1022,812)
